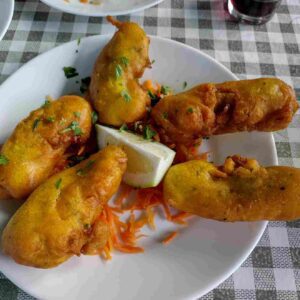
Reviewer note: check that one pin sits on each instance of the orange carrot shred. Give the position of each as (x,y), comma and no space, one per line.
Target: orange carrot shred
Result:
(123,236)
(150,217)
(170,237)
(123,195)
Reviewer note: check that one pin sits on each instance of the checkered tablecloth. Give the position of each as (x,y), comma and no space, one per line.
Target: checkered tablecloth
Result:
(272,271)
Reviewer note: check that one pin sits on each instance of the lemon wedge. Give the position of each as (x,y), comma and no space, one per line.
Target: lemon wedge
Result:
(147,161)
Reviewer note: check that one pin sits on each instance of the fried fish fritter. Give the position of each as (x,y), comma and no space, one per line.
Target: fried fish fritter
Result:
(60,216)
(264,104)
(114,90)
(240,191)
(38,144)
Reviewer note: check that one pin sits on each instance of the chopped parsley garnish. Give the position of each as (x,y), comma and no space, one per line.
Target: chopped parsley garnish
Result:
(124,127)
(154,98)
(165,89)
(153,61)
(50,119)
(70,72)
(165,115)
(86,226)
(78,41)
(118,71)
(46,104)
(148,133)
(184,85)
(35,124)
(94,117)
(85,83)
(190,110)
(73,127)
(75,159)
(3,160)
(58,183)
(77,114)
(83,171)
(126,96)
(124,61)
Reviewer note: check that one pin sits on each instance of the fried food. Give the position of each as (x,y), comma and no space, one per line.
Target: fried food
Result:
(241,190)
(264,104)
(60,216)
(38,144)
(114,90)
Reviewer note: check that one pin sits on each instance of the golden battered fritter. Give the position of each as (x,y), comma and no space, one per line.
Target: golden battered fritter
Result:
(39,142)
(114,90)
(241,191)
(264,104)
(59,217)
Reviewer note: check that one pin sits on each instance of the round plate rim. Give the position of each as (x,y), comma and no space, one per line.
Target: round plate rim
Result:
(263,224)
(100,14)
(10,15)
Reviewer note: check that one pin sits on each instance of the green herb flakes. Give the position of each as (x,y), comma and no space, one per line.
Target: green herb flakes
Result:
(126,96)
(46,104)
(78,41)
(118,71)
(165,90)
(3,160)
(124,61)
(74,126)
(83,171)
(165,115)
(87,226)
(50,119)
(190,110)
(85,83)
(153,61)
(148,133)
(77,114)
(94,117)
(58,183)
(184,85)
(123,128)
(70,72)
(35,124)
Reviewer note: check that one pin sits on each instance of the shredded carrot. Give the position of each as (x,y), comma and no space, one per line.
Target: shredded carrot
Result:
(123,195)
(167,210)
(170,237)
(202,156)
(123,236)
(84,1)
(81,150)
(150,217)
(129,249)
(147,85)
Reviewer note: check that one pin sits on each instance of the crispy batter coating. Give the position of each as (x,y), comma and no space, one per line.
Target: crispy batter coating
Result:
(264,104)
(59,217)
(40,141)
(114,90)
(241,191)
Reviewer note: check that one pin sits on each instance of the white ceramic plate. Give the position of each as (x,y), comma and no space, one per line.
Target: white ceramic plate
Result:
(6,13)
(204,254)
(107,7)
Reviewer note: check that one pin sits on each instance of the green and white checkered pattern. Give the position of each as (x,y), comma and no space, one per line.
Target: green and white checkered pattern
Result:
(272,271)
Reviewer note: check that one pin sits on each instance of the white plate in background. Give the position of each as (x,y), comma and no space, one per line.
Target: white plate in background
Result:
(6,13)
(204,254)
(107,7)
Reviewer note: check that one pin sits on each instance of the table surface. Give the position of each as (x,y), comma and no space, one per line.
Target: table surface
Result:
(272,271)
